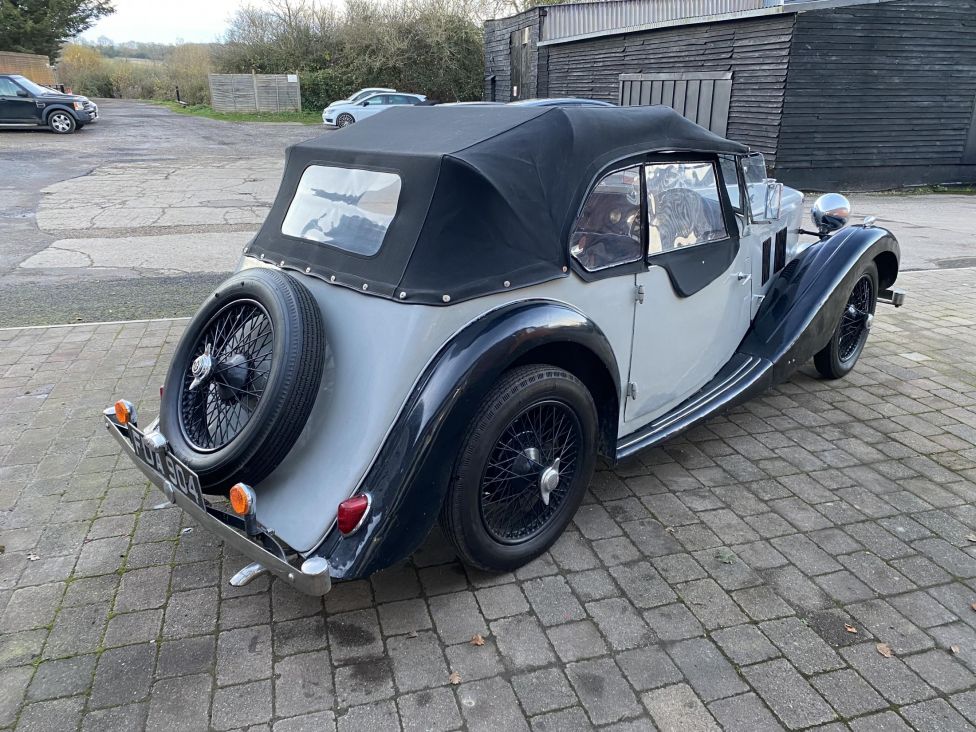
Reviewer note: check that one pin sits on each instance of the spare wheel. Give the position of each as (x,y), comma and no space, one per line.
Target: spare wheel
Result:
(244,378)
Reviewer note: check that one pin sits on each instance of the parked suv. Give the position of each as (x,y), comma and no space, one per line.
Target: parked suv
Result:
(26,104)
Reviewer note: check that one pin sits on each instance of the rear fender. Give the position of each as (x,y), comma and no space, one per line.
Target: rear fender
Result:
(408,481)
(802,308)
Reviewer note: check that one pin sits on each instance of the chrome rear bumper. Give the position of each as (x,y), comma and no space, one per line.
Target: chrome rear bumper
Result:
(312,577)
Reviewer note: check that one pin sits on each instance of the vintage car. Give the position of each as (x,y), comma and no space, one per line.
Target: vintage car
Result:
(451,312)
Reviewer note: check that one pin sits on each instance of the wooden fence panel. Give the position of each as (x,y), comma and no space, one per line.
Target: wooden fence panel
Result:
(251,93)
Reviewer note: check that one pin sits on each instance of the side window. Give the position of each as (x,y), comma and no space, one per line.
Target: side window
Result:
(378,99)
(754,172)
(608,230)
(730,173)
(8,88)
(683,206)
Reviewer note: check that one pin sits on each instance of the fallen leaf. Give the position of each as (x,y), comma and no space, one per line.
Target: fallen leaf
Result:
(454,678)
(971,537)
(850,628)
(412,634)
(32,557)
(973,606)
(954,649)
(884,649)
(187,530)
(725,556)
(477,640)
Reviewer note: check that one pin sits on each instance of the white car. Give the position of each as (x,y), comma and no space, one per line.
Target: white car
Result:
(343,115)
(360,96)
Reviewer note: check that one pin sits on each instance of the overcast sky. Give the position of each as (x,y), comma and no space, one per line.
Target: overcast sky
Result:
(195,21)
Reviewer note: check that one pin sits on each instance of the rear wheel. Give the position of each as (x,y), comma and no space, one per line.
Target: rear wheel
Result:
(244,378)
(345,120)
(61,123)
(839,356)
(524,466)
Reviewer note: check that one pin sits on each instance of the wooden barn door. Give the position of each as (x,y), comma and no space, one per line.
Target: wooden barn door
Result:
(518,48)
(702,97)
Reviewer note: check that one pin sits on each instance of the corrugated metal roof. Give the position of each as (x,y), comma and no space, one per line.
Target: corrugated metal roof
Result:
(575,21)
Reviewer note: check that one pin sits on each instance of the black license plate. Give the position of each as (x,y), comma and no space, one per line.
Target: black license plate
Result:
(180,476)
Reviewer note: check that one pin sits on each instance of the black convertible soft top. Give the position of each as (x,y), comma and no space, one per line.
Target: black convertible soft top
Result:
(488,194)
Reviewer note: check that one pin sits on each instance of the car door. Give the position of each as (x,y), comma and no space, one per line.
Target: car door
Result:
(693,297)
(373,105)
(16,105)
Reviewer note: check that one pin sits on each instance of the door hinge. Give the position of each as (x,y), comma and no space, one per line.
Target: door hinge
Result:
(632,390)
(640,294)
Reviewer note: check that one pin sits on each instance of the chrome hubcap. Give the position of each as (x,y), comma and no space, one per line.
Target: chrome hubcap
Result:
(201,369)
(548,481)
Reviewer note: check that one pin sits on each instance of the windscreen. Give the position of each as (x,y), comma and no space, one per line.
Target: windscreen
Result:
(346,208)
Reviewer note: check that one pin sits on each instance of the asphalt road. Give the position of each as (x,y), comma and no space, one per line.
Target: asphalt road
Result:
(143,213)
(211,181)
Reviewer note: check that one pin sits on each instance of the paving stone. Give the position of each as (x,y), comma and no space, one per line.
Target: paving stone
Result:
(64,677)
(240,612)
(475,662)
(762,603)
(186,656)
(303,684)
(405,616)
(361,683)
(317,722)
(890,676)
(566,720)
(127,717)
(602,690)
(553,601)
(882,722)
(648,668)
(31,607)
(673,622)
(354,636)
(710,604)
(138,627)
(502,601)
(241,705)
(576,641)
(123,675)
(745,644)
(934,715)
(430,710)
(490,705)
(941,670)
(877,575)
(790,697)
(522,642)
(743,713)
(805,554)
(60,714)
(677,709)
(418,662)
(677,568)
(299,635)
(243,655)
(705,669)
(141,589)
(543,691)
(180,704)
(193,612)
(890,626)
(616,550)
(13,683)
(801,645)
(457,617)
(620,623)
(848,693)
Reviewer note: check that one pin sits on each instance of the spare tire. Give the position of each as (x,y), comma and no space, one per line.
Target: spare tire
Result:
(243,379)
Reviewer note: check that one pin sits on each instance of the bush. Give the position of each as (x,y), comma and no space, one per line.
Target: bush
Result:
(321,88)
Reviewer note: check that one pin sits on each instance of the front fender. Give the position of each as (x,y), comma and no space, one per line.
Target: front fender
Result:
(802,308)
(409,478)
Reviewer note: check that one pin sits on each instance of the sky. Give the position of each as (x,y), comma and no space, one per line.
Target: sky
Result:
(193,21)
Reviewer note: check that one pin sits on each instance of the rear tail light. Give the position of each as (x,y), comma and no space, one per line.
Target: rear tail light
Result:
(242,499)
(352,513)
(125,413)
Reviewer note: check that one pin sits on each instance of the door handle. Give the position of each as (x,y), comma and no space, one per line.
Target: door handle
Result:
(743,277)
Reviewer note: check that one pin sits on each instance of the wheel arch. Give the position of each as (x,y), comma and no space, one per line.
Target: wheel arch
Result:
(409,477)
(589,368)
(58,107)
(887,264)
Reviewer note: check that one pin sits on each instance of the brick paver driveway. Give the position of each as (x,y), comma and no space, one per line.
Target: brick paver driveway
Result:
(743,577)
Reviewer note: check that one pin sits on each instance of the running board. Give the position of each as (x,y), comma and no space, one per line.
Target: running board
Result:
(741,377)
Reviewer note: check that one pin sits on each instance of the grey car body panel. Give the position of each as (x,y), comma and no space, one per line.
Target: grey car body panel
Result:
(380,349)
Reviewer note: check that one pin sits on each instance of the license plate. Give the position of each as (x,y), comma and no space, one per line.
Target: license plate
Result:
(180,476)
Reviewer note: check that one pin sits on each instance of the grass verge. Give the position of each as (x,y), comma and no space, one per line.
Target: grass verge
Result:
(202,110)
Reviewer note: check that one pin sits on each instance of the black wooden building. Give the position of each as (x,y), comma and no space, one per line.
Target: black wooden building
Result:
(848,94)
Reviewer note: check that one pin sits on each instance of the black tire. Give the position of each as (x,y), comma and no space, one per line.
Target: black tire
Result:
(276,398)
(841,354)
(345,119)
(61,122)
(474,532)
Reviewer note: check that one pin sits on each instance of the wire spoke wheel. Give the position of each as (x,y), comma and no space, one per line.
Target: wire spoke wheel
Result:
(529,471)
(856,320)
(226,375)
